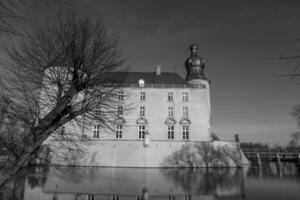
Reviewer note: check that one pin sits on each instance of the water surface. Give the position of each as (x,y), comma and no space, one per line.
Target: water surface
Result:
(90,183)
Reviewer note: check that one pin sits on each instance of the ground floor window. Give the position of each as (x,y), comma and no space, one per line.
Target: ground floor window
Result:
(170,132)
(96,131)
(119,129)
(185,132)
(142,129)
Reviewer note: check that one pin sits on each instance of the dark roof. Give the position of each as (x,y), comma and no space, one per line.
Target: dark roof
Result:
(165,79)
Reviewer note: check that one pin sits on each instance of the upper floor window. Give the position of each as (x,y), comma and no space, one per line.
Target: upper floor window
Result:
(143,96)
(142,129)
(185,97)
(185,112)
(120,110)
(185,132)
(121,95)
(96,132)
(170,96)
(142,111)
(97,111)
(119,129)
(170,132)
(171,111)
(61,130)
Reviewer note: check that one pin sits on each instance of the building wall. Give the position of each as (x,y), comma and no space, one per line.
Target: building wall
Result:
(156,113)
(128,153)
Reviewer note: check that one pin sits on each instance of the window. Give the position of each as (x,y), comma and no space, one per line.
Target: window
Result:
(61,130)
(142,111)
(185,112)
(170,132)
(120,110)
(143,96)
(119,128)
(97,111)
(142,129)
(96,131)
(170,111)
(121,95)
(185,97)
(185,132)
(170,96)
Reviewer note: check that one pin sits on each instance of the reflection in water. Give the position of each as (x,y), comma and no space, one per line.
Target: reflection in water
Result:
(89,183)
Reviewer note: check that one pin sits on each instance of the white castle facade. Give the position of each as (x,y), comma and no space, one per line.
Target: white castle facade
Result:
(166,114)
(162,106)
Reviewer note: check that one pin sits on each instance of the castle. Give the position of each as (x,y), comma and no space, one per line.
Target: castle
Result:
(163,106)
(168,116)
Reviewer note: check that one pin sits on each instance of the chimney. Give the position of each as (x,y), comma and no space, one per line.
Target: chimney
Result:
(157,70)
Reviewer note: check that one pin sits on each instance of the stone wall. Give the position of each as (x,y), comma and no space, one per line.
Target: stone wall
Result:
(133,153)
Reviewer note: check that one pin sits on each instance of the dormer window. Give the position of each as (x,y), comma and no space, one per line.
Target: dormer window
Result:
(170,96)
(141,83)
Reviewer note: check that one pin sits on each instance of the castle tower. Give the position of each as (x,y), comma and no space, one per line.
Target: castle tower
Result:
(195,65)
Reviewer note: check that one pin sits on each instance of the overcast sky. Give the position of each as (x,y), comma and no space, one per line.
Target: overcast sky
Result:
(240,41)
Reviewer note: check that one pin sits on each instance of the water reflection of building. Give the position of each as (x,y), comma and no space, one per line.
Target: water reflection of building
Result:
(134,183)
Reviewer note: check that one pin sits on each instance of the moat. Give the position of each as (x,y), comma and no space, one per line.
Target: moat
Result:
(91,183)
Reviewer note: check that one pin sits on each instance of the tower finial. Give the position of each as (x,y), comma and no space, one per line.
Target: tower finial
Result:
(194,49)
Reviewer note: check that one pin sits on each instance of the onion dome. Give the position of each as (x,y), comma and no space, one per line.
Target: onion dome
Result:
(195,65)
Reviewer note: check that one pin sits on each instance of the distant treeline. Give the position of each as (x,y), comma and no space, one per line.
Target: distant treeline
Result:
(266,147)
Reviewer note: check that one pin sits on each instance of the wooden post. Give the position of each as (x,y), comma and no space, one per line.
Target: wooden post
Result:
(278,161)
(258,160)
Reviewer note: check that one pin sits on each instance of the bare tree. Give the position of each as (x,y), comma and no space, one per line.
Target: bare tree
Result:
(293,75)
(295,136)
(56,74)
(11,11)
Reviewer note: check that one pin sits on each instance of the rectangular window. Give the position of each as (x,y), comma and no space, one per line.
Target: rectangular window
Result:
(185,132)
(142,111)
(61,130)
(171,111)
(185,112)
(185,97)
(96,131)
(142,129)
(143,96)
(119,129)
(97,111)
(121,95)
(170,96)
(170,132)
(120,110)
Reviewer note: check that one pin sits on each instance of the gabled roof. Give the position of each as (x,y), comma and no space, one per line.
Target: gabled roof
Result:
(151,79)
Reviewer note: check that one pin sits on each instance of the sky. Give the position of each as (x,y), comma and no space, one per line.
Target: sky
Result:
(240,42)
